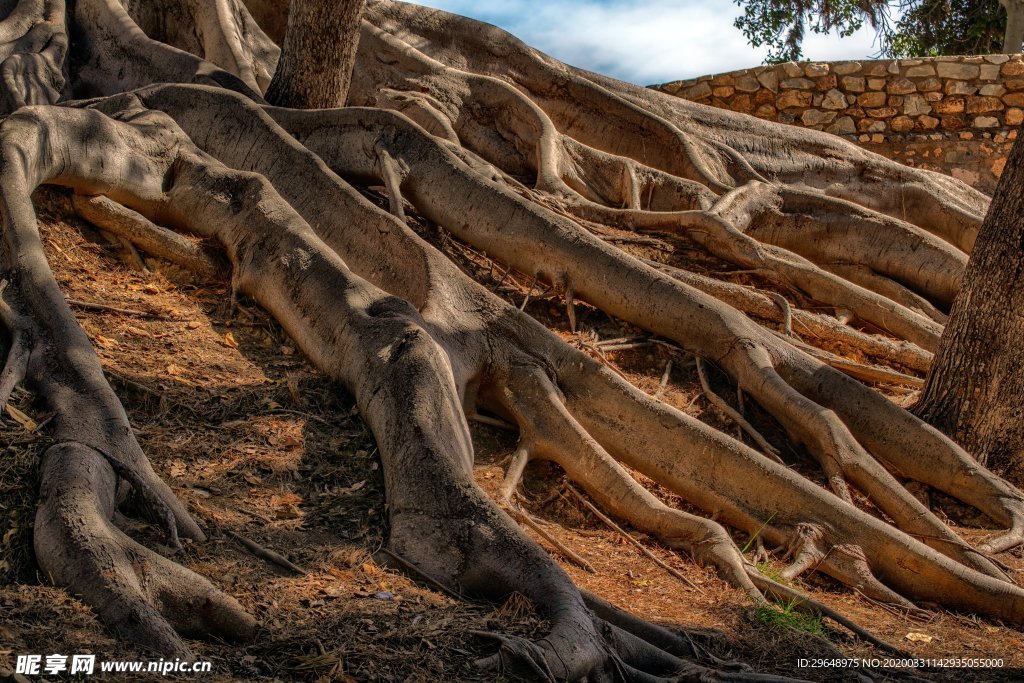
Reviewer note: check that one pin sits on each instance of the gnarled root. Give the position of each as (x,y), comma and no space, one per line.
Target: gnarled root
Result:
(137,592)
(116,55)
(747,491)
(403,382)
(420,345)
(589,162)
(144,597)
(129,225)
(787,383)
(33,44)
(792,364)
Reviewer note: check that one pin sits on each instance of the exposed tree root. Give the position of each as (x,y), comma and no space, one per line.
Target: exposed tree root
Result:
(733,414)
(33,45)
(767,370)
(152,239)
(422,347)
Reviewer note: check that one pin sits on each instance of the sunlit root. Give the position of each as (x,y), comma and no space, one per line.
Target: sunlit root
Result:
(536,165)
(153,239)
(33,46)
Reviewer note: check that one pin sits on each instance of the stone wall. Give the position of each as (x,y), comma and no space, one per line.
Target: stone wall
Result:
(957,115)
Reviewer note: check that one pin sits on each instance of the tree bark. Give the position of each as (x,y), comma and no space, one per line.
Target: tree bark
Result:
(974,389)
(534,164)
(318,55)
(1014,36)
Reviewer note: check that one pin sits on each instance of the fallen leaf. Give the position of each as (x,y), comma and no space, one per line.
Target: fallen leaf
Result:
(286,506)
(21,418)
(920,637)
(105,342)
(353,488)
(229,340)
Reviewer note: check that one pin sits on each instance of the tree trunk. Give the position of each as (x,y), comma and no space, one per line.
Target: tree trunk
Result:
(318,55)
(974,388)
(1014,25)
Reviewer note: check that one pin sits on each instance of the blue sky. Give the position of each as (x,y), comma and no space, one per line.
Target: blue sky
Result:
(644,42)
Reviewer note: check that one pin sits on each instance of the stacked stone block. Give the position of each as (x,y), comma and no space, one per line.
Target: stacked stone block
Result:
(903,105)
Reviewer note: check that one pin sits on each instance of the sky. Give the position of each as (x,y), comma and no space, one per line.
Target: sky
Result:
(646,42)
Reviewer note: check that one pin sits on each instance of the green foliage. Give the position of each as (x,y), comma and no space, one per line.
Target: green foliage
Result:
(782,25)
(947,27)
(772,573)
(787,618)
(922,27)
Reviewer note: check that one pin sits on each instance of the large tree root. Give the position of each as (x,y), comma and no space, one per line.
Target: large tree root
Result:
(421,346)
(33,45)
(305,195)
(880,286)
(376,343)
(76,542)
(630,121)
(813,404)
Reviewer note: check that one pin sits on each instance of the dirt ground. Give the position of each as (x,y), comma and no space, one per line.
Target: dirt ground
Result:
(257,444)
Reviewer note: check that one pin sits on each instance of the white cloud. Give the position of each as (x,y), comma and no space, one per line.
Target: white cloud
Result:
(643,42)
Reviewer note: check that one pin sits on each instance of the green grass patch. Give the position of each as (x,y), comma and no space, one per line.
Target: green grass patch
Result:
(787,618)
(773,573)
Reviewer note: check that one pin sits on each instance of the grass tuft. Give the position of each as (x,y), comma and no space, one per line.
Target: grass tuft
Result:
(787,618)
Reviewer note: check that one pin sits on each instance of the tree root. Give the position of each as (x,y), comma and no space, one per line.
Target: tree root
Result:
(160,242)
(735,416)
(33,45)
(220,30)
(624,119)
(144,597)
(265,554)
(820,328)
(422,200)
(116,55)
(421,346)
(572,557)
(632,541)
(462,529)
(556,166)
(436,186)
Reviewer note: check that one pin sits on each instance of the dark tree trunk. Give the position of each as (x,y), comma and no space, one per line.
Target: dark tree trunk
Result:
(318,54)
(975,388)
